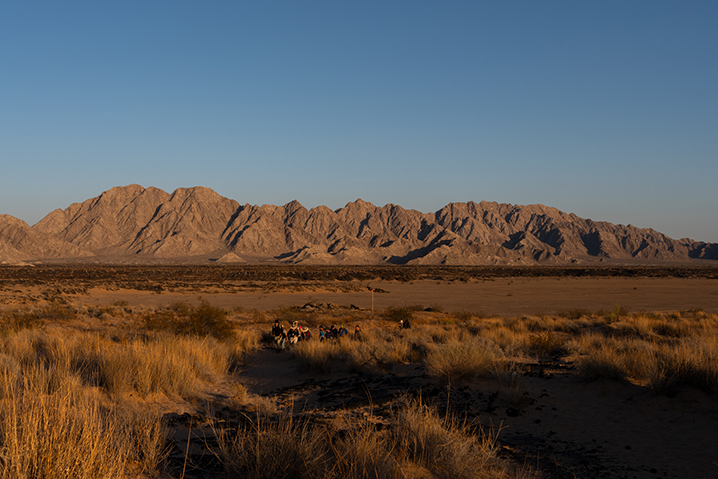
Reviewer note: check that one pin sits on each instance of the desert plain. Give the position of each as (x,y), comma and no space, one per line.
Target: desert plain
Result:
(547,372)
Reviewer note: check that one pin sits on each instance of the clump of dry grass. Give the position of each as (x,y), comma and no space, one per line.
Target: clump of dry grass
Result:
(57,310)
(545,343)
(692,363)
(168,364)
(377,349)
(317,356)
(287,448)
(456,359)
(397,314)
(262,405)
(362,453)
(447,447)
(599,358)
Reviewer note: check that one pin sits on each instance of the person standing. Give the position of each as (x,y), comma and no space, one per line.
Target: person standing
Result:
(280,335)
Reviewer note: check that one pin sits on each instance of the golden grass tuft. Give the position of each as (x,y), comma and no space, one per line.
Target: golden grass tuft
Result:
(467,359)
(51,427)
(447,447)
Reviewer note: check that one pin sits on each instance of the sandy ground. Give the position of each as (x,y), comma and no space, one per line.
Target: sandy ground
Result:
(570,428)
(501,296)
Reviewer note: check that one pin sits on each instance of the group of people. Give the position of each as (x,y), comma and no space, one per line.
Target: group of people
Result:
(292,336)
(298,333)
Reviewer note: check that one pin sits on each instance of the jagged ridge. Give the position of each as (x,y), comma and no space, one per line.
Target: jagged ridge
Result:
(199,224)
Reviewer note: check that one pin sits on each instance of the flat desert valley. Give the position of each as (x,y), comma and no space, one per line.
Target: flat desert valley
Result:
(581,372)
(484,290)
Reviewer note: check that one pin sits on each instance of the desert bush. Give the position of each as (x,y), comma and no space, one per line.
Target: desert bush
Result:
(397,314)
(144,433)
(513,343)
(12,321)
(616,314)
(437,334)
(463,316)
(515,324)
(171,364)
(377,349)
(636,326)
(245,341)
(184,319)
(661,366)
(57,311)
(57,436)
(679,328)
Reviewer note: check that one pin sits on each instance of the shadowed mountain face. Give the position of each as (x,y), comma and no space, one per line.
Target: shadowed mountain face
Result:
(132,223)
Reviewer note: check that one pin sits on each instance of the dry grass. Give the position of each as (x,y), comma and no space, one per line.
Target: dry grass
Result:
(418,439)
(663,352)
(282,449)
(640,351)
(168,364)
(63,393)
(184,319)
(447,447)
(467,359)
(51,426)
(66,374)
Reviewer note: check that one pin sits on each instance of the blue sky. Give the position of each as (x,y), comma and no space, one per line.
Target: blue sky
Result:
(607,109)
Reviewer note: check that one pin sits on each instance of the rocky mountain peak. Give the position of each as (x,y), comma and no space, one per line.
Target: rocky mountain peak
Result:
(133,223)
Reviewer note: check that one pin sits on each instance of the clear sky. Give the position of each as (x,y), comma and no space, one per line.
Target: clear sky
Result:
(604,109)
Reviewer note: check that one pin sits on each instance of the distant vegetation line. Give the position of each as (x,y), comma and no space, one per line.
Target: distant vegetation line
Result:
(216,273)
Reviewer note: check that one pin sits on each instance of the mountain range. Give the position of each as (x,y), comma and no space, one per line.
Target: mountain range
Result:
(133,224)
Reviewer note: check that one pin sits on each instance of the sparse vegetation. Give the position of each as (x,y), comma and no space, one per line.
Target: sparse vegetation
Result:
(98,390)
